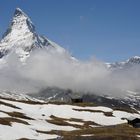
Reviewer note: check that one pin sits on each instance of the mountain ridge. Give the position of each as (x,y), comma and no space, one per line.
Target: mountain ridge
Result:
(135,60)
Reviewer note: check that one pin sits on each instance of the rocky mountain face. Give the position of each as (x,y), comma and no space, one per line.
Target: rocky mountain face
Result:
(22,38)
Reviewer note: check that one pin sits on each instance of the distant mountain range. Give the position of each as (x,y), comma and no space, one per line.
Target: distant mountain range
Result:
(125,64)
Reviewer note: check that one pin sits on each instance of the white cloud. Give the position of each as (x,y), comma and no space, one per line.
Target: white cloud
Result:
(44,69)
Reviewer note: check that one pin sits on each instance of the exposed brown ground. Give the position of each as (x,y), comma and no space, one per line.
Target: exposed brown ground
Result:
(89,110)
(10,120)
(17,115)
(118,132)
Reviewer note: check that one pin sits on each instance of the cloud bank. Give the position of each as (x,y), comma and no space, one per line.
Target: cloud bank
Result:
(50,69)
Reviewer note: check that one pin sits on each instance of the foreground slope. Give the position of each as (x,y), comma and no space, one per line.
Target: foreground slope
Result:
(37,120)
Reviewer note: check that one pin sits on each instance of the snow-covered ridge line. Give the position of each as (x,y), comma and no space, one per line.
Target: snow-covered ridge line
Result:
(135,60)
(19,97)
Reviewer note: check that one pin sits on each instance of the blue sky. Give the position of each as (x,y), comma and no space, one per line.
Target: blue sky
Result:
(107,29)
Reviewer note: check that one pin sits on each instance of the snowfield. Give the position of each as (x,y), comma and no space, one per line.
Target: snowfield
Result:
(41,116)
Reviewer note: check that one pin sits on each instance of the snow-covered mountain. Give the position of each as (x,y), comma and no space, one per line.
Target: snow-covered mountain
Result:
(22,38)
(125,64)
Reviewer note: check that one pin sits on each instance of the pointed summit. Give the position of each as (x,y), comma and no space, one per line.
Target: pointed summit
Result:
(22,38)
(18,12)
(21,19)
(20,23)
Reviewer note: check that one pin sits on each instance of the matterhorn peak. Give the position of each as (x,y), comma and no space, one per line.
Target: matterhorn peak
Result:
(20,19)
(22,38)
(19,12)
(20,24)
